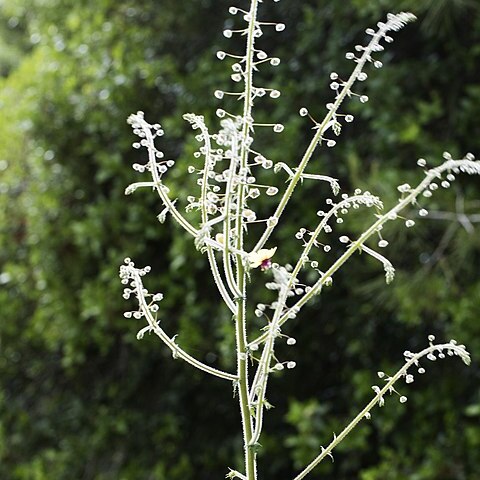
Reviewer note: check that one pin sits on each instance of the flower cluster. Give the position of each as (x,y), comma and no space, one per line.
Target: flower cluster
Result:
(363,55)
(130,276)
(412,360)
(147,133)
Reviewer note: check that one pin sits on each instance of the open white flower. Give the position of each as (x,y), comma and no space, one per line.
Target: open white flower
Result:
(262,258)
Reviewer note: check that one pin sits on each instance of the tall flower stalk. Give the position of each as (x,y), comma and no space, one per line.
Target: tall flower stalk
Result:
(228,189)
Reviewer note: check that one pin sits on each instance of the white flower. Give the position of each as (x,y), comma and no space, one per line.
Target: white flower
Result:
(262,258)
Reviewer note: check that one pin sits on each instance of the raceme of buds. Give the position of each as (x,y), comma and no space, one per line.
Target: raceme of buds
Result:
(225,215)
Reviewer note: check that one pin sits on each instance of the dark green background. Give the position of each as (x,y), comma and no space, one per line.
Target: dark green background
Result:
(80,397)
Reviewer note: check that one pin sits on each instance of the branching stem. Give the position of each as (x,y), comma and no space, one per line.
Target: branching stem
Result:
(321,129)
(458,350)
(241,328)
(392,214)
(169,342)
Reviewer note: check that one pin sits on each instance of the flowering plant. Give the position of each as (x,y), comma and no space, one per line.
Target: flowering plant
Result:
(228,189)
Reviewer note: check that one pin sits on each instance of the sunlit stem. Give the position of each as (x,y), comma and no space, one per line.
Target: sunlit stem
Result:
(161,189)
(458,350)
(240,324)
(431,175)
(169,342)
(227,260)
(322,128)
(258,387)
(210,252)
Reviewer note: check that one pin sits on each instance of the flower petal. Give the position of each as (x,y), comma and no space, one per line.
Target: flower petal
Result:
(256,258)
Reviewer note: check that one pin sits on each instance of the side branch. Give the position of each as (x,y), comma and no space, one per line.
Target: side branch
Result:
(144,130)
(259,384)
(131,274)
(327,123)
(451,348)
(466,165)
(197,122)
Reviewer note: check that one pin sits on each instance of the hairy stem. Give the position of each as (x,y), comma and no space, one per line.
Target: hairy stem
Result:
(210,252)
(177,352)
(450,347)
(162,189)
(321,129)
(358,244)
(241,329)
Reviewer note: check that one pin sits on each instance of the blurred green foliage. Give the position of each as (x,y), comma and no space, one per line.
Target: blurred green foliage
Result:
(80,397)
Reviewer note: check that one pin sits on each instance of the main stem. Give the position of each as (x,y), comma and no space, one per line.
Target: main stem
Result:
(241,326)
(242,372)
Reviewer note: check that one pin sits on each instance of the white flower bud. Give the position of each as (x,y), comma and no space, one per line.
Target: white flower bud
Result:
(421,162)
